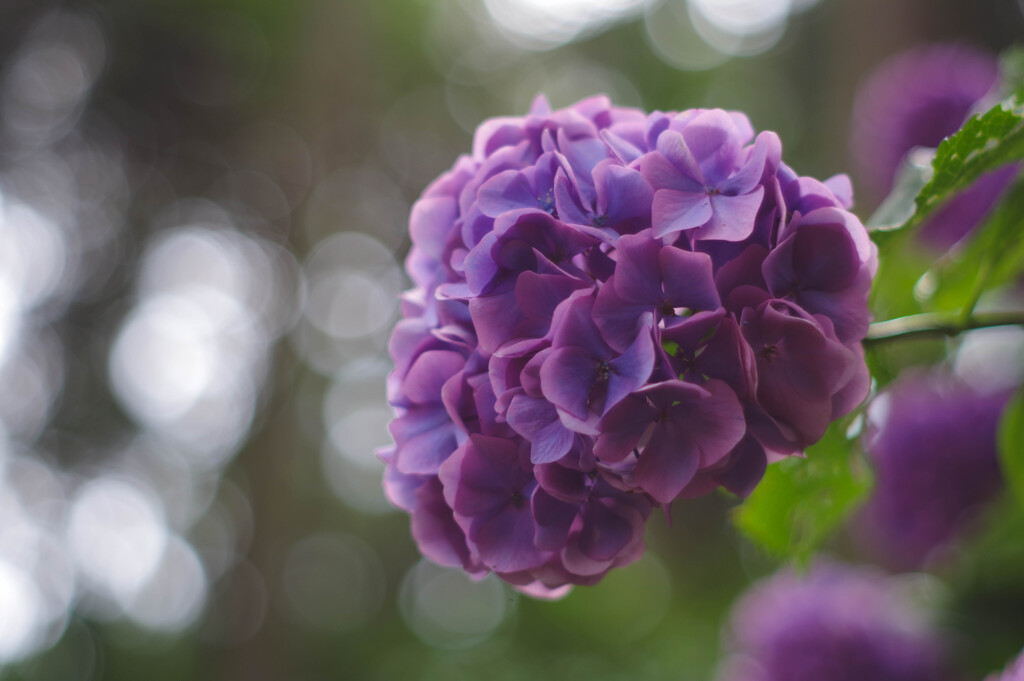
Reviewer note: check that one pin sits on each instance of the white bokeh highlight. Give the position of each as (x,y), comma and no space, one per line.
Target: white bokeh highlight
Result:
(117,537)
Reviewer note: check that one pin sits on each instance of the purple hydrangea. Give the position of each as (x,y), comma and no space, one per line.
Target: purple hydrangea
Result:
(613,310)
(1014,672)
(916,99)
(836,622)
(932,442)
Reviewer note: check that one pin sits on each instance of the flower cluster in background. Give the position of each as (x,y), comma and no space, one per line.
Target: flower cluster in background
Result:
(932,442)
(917,99)
(932,436)
(836,622)
(614,310)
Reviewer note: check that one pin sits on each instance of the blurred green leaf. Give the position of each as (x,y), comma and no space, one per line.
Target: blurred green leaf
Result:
(900,205)
(983,144)
(993,256)
(901,264)
(1011,66)
(1011,446)
(801,502)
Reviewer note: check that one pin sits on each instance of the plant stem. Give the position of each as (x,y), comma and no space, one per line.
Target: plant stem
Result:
(933,325)
(984,272)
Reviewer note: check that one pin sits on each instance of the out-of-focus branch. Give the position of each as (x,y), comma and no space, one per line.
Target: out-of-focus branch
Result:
(930,324)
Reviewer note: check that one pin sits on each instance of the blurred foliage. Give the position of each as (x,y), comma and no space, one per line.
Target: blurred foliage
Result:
(985,143)
(986,594)
(993,258)
(1011,446)
(801,503)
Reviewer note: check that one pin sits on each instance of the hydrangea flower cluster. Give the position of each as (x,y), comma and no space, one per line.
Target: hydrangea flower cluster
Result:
(932,441)
(838,623)
(614,310)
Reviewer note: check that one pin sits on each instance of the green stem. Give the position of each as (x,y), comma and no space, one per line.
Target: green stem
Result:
(984,271)
(934,325)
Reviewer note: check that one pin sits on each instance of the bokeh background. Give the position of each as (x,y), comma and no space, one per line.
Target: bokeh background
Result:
(202,222)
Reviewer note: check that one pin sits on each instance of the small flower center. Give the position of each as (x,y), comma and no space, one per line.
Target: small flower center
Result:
(547,202)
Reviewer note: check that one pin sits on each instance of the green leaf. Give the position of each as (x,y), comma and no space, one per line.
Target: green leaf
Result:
(993,256)
(985,143)
(1011,446)
(801,502)
(900,205)
(1011,66)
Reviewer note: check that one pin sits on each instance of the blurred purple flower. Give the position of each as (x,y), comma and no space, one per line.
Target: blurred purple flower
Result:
(837,623)
(916,99)
(613,310)
(1013,672)
(932,441)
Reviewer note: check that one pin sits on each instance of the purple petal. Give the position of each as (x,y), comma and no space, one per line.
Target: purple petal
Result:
(623,427)
(689,279)
(480,266)
(716,422)
(799,368)
(428,375)
(566,379)
(743,270)
(713,140)
(818,256)
(537,295)
(423,451)
(636,272)
(505,540)
(728,357)
(495,318)
(630,370)
(604,533)
(563,483)
(767,145)
(747,468)
(540,106)
(842,189)
(674,211)
(567,203)
(622,193)
(496,133)
(537,421)
(856,390)
(623,150)
(688,175)
(437,534)
(430,222)
(667,464)
(506,191)
(734,216)
(553,520)
(575,327)
(617,319)
(482,475)
(400,488)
